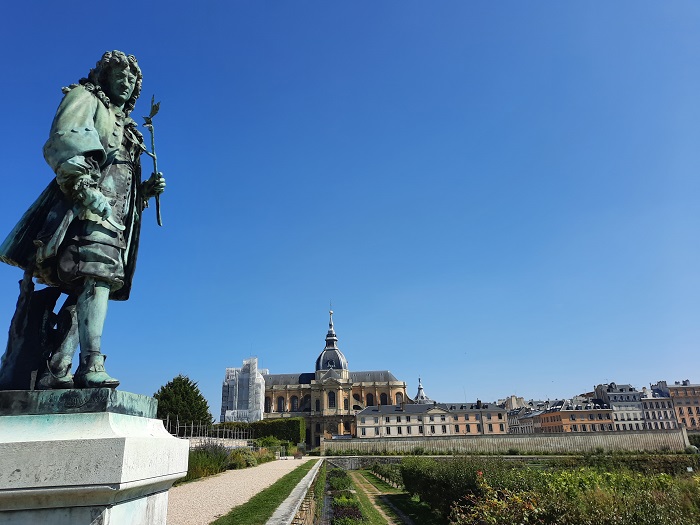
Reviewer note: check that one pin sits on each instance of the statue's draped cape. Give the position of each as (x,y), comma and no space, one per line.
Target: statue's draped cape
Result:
(83,125)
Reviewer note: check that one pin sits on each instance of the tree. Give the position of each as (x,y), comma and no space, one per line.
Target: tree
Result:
(182,401)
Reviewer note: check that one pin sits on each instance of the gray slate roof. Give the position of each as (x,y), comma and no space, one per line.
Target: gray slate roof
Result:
(305,378)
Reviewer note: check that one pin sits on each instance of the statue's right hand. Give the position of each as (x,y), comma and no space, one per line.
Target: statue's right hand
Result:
(95,202)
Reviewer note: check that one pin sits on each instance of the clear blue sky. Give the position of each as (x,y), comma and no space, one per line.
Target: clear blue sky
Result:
(499,197)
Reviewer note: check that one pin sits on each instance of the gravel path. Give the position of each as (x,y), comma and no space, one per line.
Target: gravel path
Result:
(201,502)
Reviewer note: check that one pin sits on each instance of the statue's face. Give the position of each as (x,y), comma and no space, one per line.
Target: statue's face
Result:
(120,85)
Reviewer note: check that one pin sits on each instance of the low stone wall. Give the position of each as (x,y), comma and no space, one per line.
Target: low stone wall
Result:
(653,441)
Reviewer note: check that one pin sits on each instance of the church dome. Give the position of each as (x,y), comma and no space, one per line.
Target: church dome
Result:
(331,357)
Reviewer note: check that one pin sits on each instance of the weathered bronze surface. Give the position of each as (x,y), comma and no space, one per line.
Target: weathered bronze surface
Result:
(76,401)
(81,235)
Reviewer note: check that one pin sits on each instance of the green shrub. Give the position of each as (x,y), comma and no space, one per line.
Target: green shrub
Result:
(241,458)
(206,461)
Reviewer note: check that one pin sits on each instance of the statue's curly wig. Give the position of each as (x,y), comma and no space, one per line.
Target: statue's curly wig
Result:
(98,76)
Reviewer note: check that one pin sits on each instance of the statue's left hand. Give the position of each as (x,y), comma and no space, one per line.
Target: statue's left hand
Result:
(155,185)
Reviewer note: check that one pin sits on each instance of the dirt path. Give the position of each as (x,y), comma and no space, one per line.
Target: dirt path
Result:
(374,494)
(204,500)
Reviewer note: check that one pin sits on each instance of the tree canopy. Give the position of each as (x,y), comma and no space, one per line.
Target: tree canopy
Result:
(182,400)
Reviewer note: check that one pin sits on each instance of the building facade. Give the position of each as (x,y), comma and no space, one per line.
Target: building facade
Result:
(626,404)
(243,393)
(659,413)
(404,421)
(330,397)
(686,401)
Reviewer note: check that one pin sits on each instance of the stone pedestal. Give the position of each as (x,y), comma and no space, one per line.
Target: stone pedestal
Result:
(85,457)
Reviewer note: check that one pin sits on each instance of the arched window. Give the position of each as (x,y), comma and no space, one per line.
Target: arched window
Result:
(370,400)
(346,403)
(280,404)
(399,398)
(318,405)
(331,399)
(295,403)
(306,403)
(268,405)
(383,399)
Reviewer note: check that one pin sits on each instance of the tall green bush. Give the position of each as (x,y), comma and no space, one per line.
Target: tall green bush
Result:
(292,429)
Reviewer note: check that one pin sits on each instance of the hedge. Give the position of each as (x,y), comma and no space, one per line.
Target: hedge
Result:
(291,429)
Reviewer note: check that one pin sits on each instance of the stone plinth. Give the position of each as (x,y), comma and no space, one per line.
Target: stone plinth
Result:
(85,457)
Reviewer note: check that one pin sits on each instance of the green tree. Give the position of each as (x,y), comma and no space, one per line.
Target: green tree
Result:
(182,401)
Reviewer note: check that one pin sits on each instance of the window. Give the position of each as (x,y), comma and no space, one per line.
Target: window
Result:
(318,405)
(346,403)
(591,416)
(398,430)
(468,428)
(501,427)
(388,431)
(490,427)
(444,429)
(362,420)
(399,398)
(408,419)
(364,431)
(398,419)
(420,418)
(268,405)
(466,417)
(488,416)
(575,428)
(408,430)
(583,428)
(376,431)
(431,418)
(680,410)
(387,419)
(376,420)
(420,429)
(456,428)
(572,417)
(370,400)
(280,404)
(478,428)
(456,417)
(383,400)
(500,415)
(331,399)
(432,429)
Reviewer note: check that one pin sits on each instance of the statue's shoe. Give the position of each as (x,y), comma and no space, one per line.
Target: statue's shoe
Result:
(91,373)
(49,381)
(97,379)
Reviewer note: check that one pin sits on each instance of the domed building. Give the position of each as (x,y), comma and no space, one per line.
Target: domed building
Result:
(329,397)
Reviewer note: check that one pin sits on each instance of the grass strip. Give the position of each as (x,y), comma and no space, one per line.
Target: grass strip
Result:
(416,510)
(380,485)
(258,509)
(369,511)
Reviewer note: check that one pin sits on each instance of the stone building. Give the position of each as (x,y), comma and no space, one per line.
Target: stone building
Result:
(243,393)
(568,416)
(329,397)
(626,404)
(658,409)
(686,401)
(404,421)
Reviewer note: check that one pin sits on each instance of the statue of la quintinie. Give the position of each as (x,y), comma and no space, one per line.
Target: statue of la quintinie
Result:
(81,236)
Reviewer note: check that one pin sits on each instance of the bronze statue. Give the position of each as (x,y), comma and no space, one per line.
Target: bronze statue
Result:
(81,236)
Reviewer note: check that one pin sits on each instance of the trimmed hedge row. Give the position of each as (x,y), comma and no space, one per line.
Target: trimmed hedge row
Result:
(292,429)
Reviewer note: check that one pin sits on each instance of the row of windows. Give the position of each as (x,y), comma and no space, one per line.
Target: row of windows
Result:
(690,410)
(659,404)
(591,417)
(305,406)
